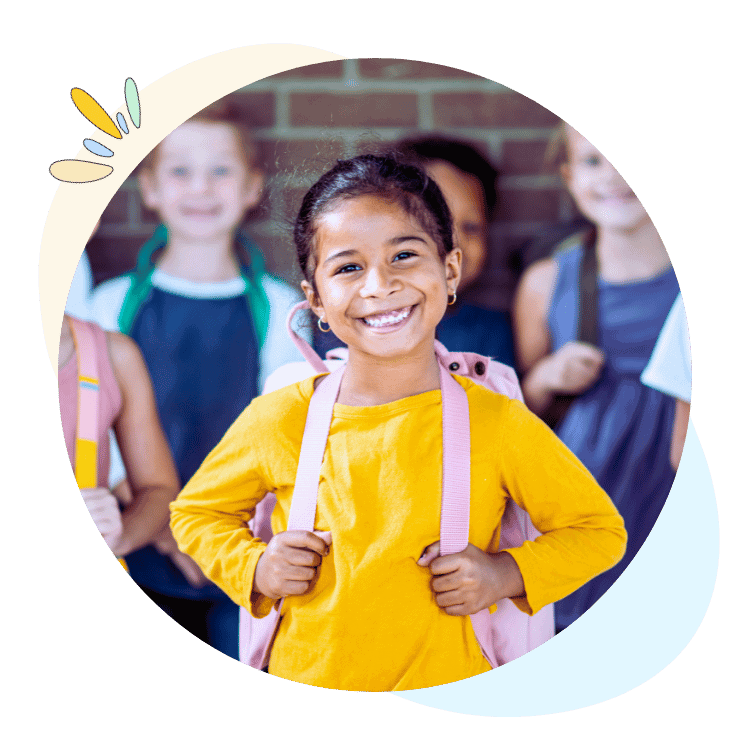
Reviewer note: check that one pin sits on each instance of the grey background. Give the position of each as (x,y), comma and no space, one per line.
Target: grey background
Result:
(88,659)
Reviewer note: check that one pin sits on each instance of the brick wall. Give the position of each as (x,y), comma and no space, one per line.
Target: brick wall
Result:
(307,117)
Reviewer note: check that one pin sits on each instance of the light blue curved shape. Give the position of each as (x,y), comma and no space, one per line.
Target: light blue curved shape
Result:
(122,123)
(97,148)
(633,632)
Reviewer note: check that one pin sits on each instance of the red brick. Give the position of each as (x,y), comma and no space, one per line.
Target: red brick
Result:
(112,256)
(399,70)
(292,200)
(279,253)
(354,110)
(301,155)
(116,211)
(332,69)
(501,110)
(529,205)
(524,157)
(257,107)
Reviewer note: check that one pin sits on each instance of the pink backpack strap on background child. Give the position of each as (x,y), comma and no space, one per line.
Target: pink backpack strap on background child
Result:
(503,635)
(87,422)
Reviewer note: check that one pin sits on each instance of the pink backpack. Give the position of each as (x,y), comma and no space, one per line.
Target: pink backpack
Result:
(503,635)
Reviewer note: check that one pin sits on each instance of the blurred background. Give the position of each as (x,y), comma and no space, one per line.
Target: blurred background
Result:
(307,117)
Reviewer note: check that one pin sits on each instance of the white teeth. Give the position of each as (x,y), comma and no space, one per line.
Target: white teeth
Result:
(388,319)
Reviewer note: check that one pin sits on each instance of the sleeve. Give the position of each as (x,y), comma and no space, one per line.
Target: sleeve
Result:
(78,301)
(209,517)
(668,370)
(582,534)
(106,302)
(279,348)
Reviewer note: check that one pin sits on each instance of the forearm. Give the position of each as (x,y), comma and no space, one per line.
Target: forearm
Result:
(559,562)
(679,432)
(510,583)
(222,546)
(144,518)
(537,389)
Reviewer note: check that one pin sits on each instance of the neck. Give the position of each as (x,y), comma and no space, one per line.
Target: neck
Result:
(199,260)
(371,381)
(631,255)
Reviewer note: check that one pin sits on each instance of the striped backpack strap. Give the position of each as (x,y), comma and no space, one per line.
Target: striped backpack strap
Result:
(87,425)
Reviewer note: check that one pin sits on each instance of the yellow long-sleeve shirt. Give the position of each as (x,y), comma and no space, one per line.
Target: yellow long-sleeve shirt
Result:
(370,622)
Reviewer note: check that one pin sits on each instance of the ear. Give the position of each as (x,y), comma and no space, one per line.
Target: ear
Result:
(313,300)
(453,269)
(147,186)
(565,174)
(254,189)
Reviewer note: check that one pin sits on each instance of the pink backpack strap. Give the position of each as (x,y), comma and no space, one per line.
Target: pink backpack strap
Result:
(454,512)
(256,637)
(87,425)
(314,440)
(306,350)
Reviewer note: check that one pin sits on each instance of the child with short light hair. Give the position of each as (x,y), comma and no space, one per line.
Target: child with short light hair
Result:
(210,321)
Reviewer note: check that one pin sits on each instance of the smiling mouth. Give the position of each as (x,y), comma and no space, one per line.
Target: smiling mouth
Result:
(388,319)
(208,212)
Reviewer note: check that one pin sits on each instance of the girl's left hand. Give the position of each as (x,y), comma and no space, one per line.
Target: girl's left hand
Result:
(472,580)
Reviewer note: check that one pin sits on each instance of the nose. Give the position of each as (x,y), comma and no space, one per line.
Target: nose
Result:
(199,182)
(379,281)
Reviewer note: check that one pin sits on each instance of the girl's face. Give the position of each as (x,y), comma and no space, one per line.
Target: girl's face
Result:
(381,284)
(200,184)
(598,189)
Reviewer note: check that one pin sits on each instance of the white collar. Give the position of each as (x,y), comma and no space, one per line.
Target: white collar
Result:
(198,289)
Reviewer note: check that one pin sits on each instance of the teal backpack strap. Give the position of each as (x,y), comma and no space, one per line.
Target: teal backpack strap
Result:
(140,279)
(257,301)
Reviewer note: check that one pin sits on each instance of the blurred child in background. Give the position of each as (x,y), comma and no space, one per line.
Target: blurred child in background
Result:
(619,428)
(210,322)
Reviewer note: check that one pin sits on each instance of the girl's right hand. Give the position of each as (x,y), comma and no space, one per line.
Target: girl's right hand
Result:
(573,368)
(289,563)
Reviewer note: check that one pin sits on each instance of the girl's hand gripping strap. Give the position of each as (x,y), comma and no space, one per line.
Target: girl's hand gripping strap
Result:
(456,505)
(307,479)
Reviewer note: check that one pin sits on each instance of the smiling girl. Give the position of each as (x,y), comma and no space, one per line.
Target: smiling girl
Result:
(368,605)
(619,428)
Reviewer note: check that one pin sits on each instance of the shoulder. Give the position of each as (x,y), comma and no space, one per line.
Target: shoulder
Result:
(107,299)
(279,409)
(484,401)
(539,277)
(127,360)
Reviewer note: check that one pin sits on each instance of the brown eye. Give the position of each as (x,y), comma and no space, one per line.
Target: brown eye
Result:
(348,268)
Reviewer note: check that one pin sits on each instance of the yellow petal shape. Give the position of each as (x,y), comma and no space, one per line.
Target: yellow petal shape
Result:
(93,112)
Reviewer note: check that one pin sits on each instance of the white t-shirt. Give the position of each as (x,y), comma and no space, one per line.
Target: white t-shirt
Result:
(669,368)
(79,296)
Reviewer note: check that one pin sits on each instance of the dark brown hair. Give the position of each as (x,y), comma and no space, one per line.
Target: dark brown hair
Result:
(384,176)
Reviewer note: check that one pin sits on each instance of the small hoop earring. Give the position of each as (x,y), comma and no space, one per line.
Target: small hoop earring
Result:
(453,301)
(320,326)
